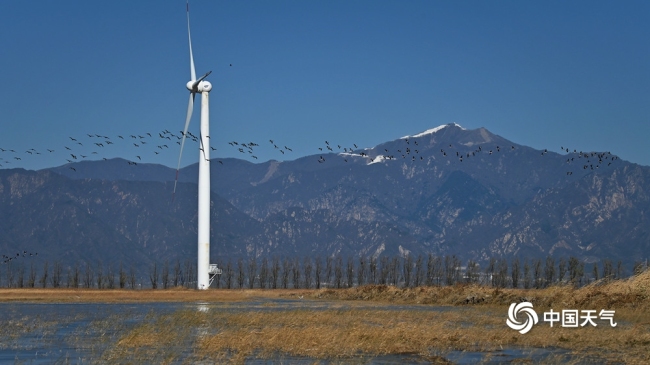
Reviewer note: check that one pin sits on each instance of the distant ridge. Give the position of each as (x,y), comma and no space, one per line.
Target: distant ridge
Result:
(447,191)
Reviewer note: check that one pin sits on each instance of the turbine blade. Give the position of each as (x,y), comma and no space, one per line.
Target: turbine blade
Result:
(189,37)
(190,108)
(196,83)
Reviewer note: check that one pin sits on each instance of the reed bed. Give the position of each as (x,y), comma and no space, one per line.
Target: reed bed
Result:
(358,322)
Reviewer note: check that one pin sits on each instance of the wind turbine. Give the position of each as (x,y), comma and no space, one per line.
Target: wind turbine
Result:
(203,267)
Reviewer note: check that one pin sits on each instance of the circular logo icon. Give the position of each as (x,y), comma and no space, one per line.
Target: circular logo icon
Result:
(527,309)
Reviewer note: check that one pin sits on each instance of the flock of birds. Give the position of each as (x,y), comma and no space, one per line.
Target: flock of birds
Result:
(410,150)
(92,146)
(7,259)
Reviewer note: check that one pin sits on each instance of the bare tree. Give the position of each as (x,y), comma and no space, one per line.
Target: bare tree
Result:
(189,273)
(153,276)
(178,274)
(132,277)
(433,270)
(317,272)
(537,273)
(164,277)
(515,273)
(56,274)
(350,272)
(527,278)
(31,281)
(286,270)
(76,275)
(229,273)
(241,273)
(275,272)
(407,269)
(395,270)
(419,271)
(110,278)
(10,275)
(122,276)
(100,275)
(329,267)
(307,268)
(549,270)
(43,280)
(295,273)
(361,271)
(372,270)
(338,271)
(252,272)
(561,270)
(20,282)
(384,270)
(502,273)
(264,273)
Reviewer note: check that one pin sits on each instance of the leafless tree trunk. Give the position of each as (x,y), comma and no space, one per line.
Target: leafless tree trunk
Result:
(132,277)
(110,278)
(100,275)
(229,275)
(178,274)
(153,276)
(395,270)
(349,275)
(515,273)
(549,270)
(338,271)
(527,278)
(56,274)
(384,270)
(31,281)
(361,271)
(407,269)
(306,266)
(328,270)
(537,272)
(419,271)
(372,270)
(252,272)
(286,269)
(76,273)
(10,275)
(561,270)
(21,277)
(275,273)
(295,273)
(122,277)
(317,272)
(264,271)
(164,277)
(241,273)
(44,277)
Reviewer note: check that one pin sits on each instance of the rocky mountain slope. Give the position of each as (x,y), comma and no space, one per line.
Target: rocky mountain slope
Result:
(449,191)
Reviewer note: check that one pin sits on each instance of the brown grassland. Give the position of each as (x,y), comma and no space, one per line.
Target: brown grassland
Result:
(375,328)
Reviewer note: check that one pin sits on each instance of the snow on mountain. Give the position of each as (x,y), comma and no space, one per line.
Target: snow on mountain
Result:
(433,130)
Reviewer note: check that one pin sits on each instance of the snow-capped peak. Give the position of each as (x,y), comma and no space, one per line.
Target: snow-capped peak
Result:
(433,130)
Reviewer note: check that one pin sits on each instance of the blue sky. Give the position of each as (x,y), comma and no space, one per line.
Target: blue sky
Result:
(544,74)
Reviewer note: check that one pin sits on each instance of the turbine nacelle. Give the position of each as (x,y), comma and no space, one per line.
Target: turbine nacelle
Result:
(199,87)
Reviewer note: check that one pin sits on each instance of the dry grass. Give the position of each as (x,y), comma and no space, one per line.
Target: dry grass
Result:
(630,293)
(349,331)
(64,295)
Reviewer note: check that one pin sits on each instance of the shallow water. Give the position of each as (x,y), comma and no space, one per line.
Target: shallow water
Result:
(78,333)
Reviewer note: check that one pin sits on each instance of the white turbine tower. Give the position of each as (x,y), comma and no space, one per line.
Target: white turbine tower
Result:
(203,267)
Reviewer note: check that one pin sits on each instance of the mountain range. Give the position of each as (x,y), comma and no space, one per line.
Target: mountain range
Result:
(447,191)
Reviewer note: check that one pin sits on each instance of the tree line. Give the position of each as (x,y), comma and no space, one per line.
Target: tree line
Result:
(329,272)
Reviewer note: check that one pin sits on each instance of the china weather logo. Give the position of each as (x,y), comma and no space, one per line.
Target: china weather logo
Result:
(526,308)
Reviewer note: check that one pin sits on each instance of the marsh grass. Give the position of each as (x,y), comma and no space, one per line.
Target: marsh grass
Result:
(356,323)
